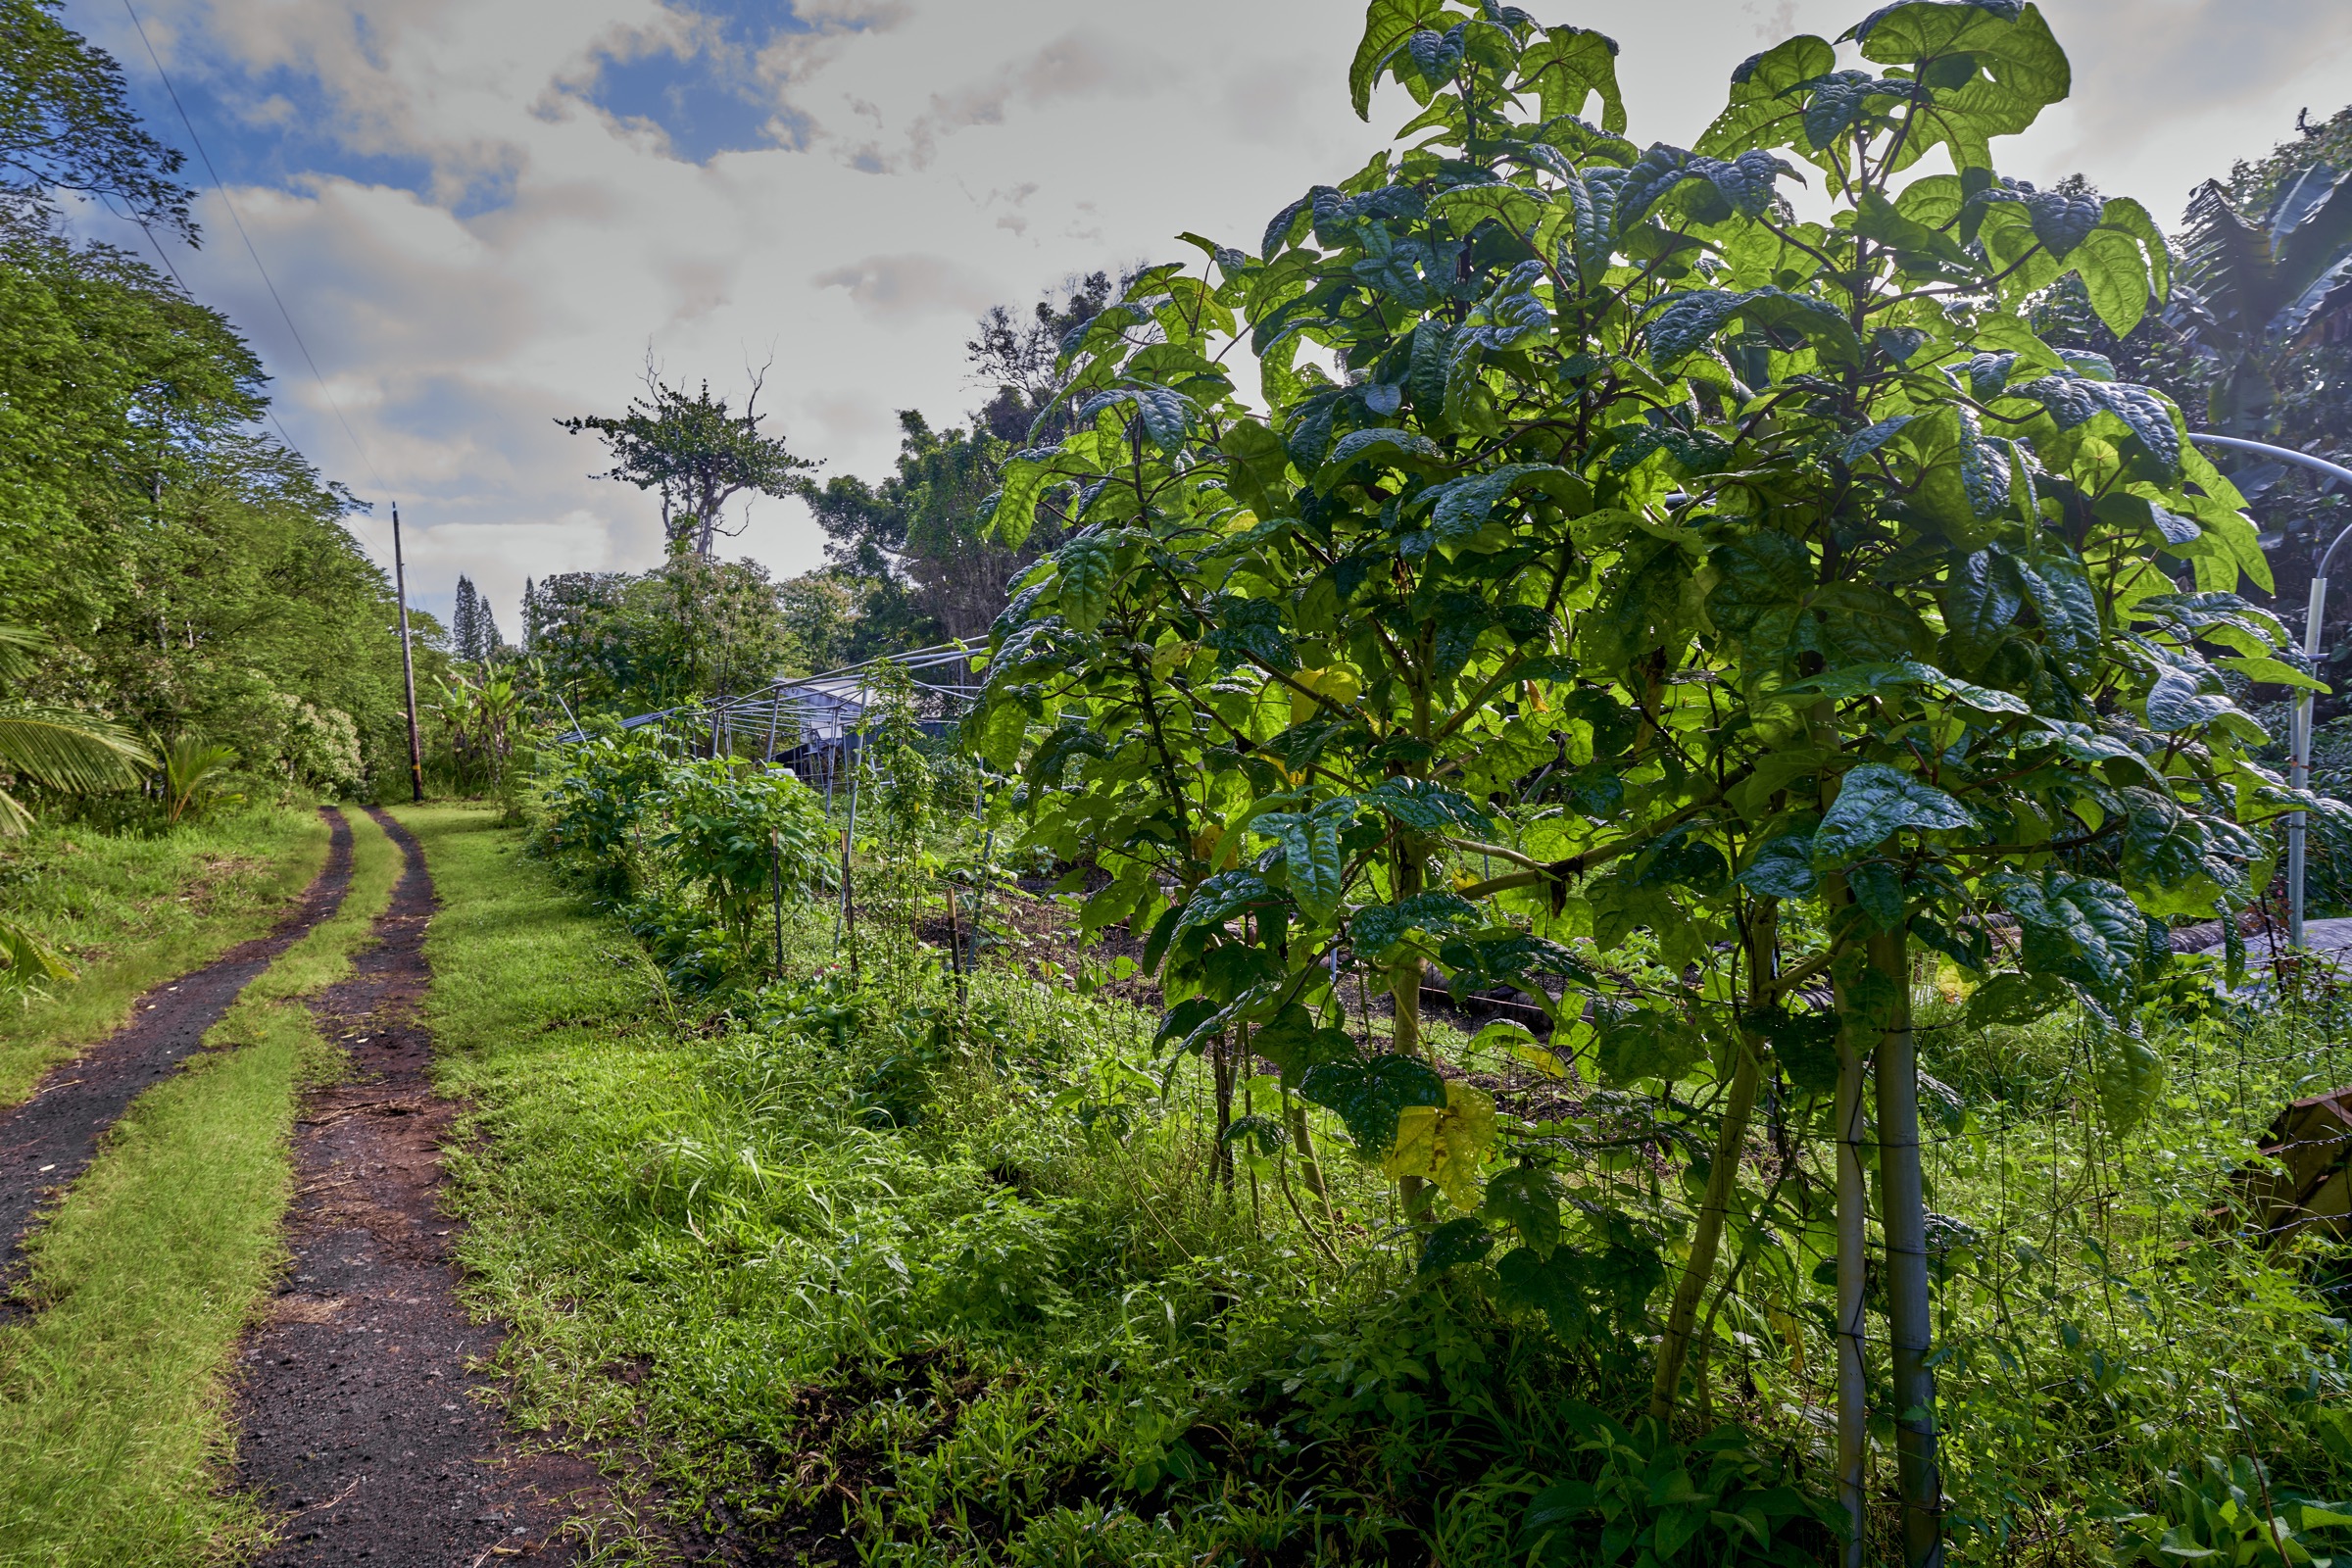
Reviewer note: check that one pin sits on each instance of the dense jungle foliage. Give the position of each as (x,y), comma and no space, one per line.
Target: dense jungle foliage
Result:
(186,573)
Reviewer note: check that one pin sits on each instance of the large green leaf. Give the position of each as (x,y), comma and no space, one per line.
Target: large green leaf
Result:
(1647,1043)
(1506,957)
(1378,928)
(1310,853)
(1527,1198)
(2181,701)
(1222,898)
(71,751)
(1873,803)
(1166,414)
(1086,569)
(1297,1045)
(1845,99)
(1248,628)
(1992,66)
(1690,320)
(1387,25)
(1465,207)
(2072,398)
(1426,808)
(1460,506)
(2130,1077)
(1377,448)
(1981,597)
(1370,1095)
(2083,929)
(1458,1241)
(1011,512)
(1257,465)
(1763,112)
(1569,65)
(1780,864)
(1003,724)
(1743,185)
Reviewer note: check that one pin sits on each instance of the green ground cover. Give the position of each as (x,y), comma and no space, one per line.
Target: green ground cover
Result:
(133,909)
(832,1268)
(114,1441)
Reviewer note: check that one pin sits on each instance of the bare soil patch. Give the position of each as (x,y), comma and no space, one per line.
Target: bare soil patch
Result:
(51,1137)
(364,1421)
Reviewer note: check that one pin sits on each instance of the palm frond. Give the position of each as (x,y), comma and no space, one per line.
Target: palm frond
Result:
(194,769)
(70,751)
(2228,262)
(25,961)
(17,645)
(2316,243)
(15,821)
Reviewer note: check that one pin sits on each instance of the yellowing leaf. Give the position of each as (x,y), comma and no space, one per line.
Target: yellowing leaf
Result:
(1543,1062)
(1336,684)
(1446,1146)
(1417,1147)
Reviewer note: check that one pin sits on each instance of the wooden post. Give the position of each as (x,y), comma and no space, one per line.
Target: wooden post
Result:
(408,665)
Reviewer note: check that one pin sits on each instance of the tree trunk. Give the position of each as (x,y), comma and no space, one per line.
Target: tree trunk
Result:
(1310,1169)
(1723,1178)
(1220,1159)
(1404,988)
(1904,1216)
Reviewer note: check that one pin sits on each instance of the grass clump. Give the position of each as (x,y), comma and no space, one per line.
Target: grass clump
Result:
(131,911)
(114,1433)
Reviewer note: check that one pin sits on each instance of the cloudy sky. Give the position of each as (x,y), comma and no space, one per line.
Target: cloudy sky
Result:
(483,214)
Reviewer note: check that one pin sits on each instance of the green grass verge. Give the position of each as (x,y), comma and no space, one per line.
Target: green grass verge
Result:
(114,1436)
(133,911)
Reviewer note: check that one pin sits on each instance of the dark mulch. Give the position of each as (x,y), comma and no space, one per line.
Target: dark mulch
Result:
(361,1424)
(50,1138)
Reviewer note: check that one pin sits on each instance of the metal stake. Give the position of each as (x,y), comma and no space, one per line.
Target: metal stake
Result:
(849,840)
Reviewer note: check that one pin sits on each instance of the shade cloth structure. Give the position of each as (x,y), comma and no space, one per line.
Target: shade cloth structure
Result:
(801,715)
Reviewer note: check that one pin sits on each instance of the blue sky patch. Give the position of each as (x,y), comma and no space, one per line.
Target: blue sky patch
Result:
(274,127)
(713,100)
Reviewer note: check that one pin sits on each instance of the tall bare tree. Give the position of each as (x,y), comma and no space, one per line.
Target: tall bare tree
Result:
(698,453)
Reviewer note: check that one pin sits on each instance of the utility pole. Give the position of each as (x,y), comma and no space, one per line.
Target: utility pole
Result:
(408,663)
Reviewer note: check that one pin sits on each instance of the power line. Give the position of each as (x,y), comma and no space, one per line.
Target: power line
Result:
(154,244)
(284,314)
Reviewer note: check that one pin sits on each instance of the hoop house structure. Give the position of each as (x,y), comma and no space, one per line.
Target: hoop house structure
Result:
(810,723)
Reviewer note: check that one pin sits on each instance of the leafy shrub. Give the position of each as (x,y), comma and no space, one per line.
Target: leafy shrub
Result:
(690,851)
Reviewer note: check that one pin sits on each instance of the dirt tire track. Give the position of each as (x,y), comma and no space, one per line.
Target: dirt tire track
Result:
(51,1137)
(360,1424)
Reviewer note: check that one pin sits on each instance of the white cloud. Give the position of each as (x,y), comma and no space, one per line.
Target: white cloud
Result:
(897,287)
(934,156)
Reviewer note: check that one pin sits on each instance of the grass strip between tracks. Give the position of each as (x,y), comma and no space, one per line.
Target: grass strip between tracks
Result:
(114,1437)
(133,911)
